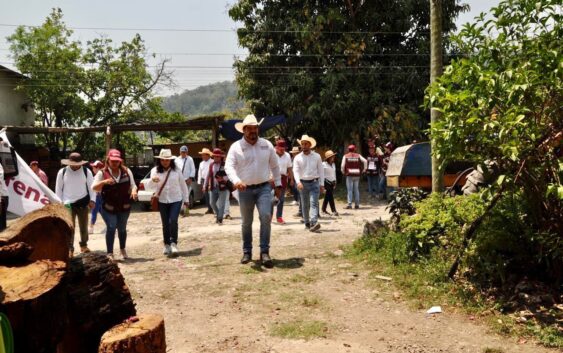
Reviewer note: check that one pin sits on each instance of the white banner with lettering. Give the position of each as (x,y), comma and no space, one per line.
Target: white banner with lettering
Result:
(26,191)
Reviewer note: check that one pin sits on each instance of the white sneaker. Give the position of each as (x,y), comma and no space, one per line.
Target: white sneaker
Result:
(91,229)
(174,248)
(294,203)
(103,231)
(166,250)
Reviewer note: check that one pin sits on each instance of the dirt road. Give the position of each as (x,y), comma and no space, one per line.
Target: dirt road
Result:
(211,303)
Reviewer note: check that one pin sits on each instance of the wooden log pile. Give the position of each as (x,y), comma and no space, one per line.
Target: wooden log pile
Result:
(61,305)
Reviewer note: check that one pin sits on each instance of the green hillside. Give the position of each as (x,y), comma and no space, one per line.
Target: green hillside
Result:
(216,97)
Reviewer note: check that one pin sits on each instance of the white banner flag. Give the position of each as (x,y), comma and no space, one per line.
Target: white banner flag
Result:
(26,191)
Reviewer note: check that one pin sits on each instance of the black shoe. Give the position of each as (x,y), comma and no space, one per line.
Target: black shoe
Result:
(219,222)
(209,212)
(357,207)
(266,260)
(349,207)
(307,225)
(315,227)
(227,217)
(246,258)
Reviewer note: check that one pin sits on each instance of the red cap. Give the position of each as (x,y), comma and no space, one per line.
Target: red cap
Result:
(351,148)
(280,144)
(217,152)
(114,155)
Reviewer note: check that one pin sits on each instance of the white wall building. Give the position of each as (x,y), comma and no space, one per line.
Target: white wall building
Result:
(15,106)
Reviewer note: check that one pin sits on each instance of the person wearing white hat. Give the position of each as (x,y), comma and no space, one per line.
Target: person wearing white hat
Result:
(330,182)
(172,192)
(309,176)
(249,163)
(203,170)
(185,164)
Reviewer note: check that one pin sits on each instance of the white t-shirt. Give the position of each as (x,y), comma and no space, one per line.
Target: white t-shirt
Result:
(284,162)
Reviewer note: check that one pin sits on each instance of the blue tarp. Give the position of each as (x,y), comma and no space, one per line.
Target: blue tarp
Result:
(229,132)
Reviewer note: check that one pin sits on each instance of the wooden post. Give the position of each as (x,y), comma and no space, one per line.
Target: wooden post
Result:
(214,133)
(108,139)
(436,69)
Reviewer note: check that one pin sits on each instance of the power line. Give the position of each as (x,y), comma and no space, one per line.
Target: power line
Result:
(205,30)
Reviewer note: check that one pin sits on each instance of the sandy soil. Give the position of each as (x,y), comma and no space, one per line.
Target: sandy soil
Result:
(211,303)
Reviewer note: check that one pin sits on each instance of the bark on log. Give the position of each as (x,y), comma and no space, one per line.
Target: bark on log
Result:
(143,336)
(98,299)
(47,231)
(33,296)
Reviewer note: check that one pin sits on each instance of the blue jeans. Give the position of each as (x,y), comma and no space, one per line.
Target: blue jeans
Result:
(383,185)
(279,209)
(373,184)
(353,187)
(169,213)
(310,201)
(218,202)
(260,197)
(115,221)
(97,208)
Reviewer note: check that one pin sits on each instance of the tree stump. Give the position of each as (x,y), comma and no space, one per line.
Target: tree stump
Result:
(143,336)
(98,299)
(47,230)
(33,296)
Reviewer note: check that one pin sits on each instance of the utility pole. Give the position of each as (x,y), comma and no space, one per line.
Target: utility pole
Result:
(436,69)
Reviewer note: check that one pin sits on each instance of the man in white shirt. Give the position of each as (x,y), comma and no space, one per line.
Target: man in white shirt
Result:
(74,189)
(309,176)
(250,162)
(286,166)
(202,173)
(185,164)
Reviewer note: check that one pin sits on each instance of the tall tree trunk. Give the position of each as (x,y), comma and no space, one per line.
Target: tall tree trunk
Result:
(436,69)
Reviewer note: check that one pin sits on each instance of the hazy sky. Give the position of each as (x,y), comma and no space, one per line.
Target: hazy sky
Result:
(197,57)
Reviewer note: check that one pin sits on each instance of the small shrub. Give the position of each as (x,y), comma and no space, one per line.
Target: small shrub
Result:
(401,202)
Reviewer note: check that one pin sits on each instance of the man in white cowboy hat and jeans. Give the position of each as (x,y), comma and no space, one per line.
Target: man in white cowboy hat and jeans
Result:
(249,163)
(202,172)
(74,189)
(185,164)
(309,176)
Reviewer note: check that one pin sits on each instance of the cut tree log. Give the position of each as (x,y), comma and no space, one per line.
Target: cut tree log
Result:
(142,334)
(33,296)
(15,253)
(47,230)
(98,299)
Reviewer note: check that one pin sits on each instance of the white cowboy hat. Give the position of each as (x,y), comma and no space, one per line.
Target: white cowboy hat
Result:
(165,153)
(294,150)
(309,139)
(249,120)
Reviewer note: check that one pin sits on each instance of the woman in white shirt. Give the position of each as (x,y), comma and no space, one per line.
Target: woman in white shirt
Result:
(330,182)
(172,192)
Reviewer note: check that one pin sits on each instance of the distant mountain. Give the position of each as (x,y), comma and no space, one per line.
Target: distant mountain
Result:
(213,98)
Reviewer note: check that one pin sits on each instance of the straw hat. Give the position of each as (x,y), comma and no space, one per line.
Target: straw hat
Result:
(205,151)
(249,120)
(165,153)
(309,139)
(294,150)
(329,154)
(74,159)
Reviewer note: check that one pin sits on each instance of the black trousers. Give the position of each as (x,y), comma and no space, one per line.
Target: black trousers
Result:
(3,212)
(329,197)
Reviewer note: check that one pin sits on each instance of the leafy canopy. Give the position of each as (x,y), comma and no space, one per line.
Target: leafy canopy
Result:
(334,62)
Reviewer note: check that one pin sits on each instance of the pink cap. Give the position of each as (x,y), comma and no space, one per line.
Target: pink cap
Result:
(114,155)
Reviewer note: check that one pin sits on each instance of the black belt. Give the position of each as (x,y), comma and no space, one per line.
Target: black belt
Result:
(256,186)
(309,181)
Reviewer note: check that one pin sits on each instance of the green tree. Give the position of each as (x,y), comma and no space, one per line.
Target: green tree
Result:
(502,103)
(91,85)
(334,62)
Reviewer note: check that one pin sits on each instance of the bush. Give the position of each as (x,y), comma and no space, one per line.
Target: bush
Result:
(402,202)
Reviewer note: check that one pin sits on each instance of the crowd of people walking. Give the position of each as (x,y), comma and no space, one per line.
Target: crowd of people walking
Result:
(255,171)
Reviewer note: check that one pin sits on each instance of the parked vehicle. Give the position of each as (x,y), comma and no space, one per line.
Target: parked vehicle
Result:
(145,193)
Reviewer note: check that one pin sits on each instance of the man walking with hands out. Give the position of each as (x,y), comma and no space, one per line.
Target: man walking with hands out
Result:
(309,176)
(249,163)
